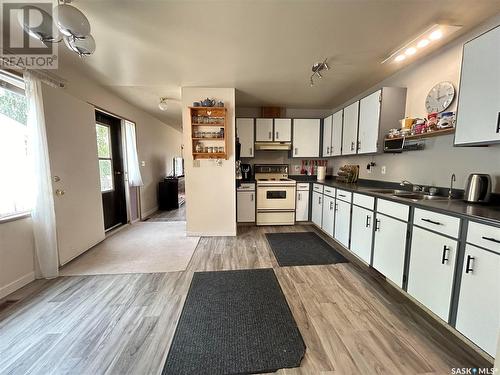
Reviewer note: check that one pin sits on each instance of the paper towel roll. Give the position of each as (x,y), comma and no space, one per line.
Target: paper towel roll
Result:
(321,173)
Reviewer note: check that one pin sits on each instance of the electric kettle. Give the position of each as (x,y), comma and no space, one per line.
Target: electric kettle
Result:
(478,188)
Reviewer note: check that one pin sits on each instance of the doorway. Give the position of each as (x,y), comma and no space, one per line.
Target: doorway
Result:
(111,170)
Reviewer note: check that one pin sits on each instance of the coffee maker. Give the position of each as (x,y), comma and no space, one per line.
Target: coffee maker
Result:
(246,172)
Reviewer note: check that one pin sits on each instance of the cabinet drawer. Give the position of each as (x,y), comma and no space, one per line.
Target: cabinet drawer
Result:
(397,210)
(363,201)
(344,195)
(441,223)
(246,186)
(483,235)
(328,190)
(318,188)
(303,186)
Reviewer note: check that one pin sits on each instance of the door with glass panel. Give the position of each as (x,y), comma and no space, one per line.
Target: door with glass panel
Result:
(109,152)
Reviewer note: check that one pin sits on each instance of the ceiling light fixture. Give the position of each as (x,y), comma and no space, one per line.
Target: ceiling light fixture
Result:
(433,34)
(317,68)
(163,104)
(69,21)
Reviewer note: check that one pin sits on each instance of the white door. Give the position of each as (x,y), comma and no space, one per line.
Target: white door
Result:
(337,121)
(350,129)
(72,143)
(389,248)
(327,136)
(245,131)
(369,116)
(478,315)
(328,214)
(283,130)
(361,232)
(245,203)
(302,206)
(479,94)
(306,134)
(264,130)
(317,208)
(342,222)
(432,265)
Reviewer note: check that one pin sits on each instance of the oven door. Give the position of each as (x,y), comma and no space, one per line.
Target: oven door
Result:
(275,197)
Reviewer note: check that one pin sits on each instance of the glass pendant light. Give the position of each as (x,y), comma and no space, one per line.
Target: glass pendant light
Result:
(38,25)
(71,21)
(82,46)
(163,104)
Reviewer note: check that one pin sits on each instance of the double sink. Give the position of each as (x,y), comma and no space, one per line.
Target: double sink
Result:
(415,196)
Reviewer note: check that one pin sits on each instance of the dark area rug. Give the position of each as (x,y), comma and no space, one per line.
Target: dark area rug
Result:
(302,249)
(235,322)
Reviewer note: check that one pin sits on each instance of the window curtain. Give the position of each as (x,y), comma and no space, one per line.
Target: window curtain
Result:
(43,214)
(134,172)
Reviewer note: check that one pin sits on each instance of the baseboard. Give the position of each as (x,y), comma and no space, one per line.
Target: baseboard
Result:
(16,284)
(149,212)
(217,234)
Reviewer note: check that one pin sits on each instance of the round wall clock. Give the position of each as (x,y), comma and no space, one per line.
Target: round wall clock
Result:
(440,97)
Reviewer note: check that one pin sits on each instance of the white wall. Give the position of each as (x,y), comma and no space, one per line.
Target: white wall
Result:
(435,164)
(210,189)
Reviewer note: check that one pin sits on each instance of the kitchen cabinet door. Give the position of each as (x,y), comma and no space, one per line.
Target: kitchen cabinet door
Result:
(342,222)
(245,203)
(432,265)
(328,214)
(306,134)
(264,130)
(317,208)
(337,121)
(245,131)
(350,129)
(302,206)
(478,315)
(361,233)
(327,136)
(389,248)
(369,116)
(283,130)
(478,112)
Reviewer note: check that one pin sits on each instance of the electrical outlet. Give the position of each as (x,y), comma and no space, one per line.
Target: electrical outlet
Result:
(369,170)
(196,163)
(296,168)
(383,169)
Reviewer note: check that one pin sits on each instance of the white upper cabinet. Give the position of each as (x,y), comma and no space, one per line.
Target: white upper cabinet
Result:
(327,136)
(369,116)
(336,145)
(478,112)
(264,130)
(282,130)
(306,135)
(350,129)
(245,131)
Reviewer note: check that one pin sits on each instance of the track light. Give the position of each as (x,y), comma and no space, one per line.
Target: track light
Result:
(316,69)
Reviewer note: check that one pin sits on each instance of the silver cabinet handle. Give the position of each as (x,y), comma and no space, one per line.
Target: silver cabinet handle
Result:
(377,224)
(490,239)
(319,200)
(296,150)
(300,197)
(352,146)
(250,149)
(331,206)
(359,145)
(328,150)
(277,135)
(336,206)
(251,197)
(270,135)
(368,219)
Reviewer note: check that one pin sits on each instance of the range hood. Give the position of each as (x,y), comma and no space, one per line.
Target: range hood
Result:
(273,146)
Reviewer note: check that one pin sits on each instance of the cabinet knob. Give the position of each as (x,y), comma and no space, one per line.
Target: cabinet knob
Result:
(60,192)
(56,178)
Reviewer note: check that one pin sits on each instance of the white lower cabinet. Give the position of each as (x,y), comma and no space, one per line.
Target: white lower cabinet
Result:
(302,205)
(328,214)
(432,266)
(342,222)
(317,208)
(361,232)
(245,203)
(478,315)
(389,248)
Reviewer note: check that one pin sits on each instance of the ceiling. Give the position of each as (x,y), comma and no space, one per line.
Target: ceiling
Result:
(265,49)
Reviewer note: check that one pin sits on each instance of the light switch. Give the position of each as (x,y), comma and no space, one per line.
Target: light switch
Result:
(196,163)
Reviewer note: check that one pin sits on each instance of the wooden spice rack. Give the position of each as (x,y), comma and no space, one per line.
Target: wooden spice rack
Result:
(206,119)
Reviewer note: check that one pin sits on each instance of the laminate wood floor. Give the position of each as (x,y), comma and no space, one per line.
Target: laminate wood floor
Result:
(351,321)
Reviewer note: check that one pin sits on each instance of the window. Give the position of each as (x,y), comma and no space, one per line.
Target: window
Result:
(105,157)
(16,194)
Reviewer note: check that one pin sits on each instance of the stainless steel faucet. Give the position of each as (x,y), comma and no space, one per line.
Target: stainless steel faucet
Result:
(414,187)
(452,180)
